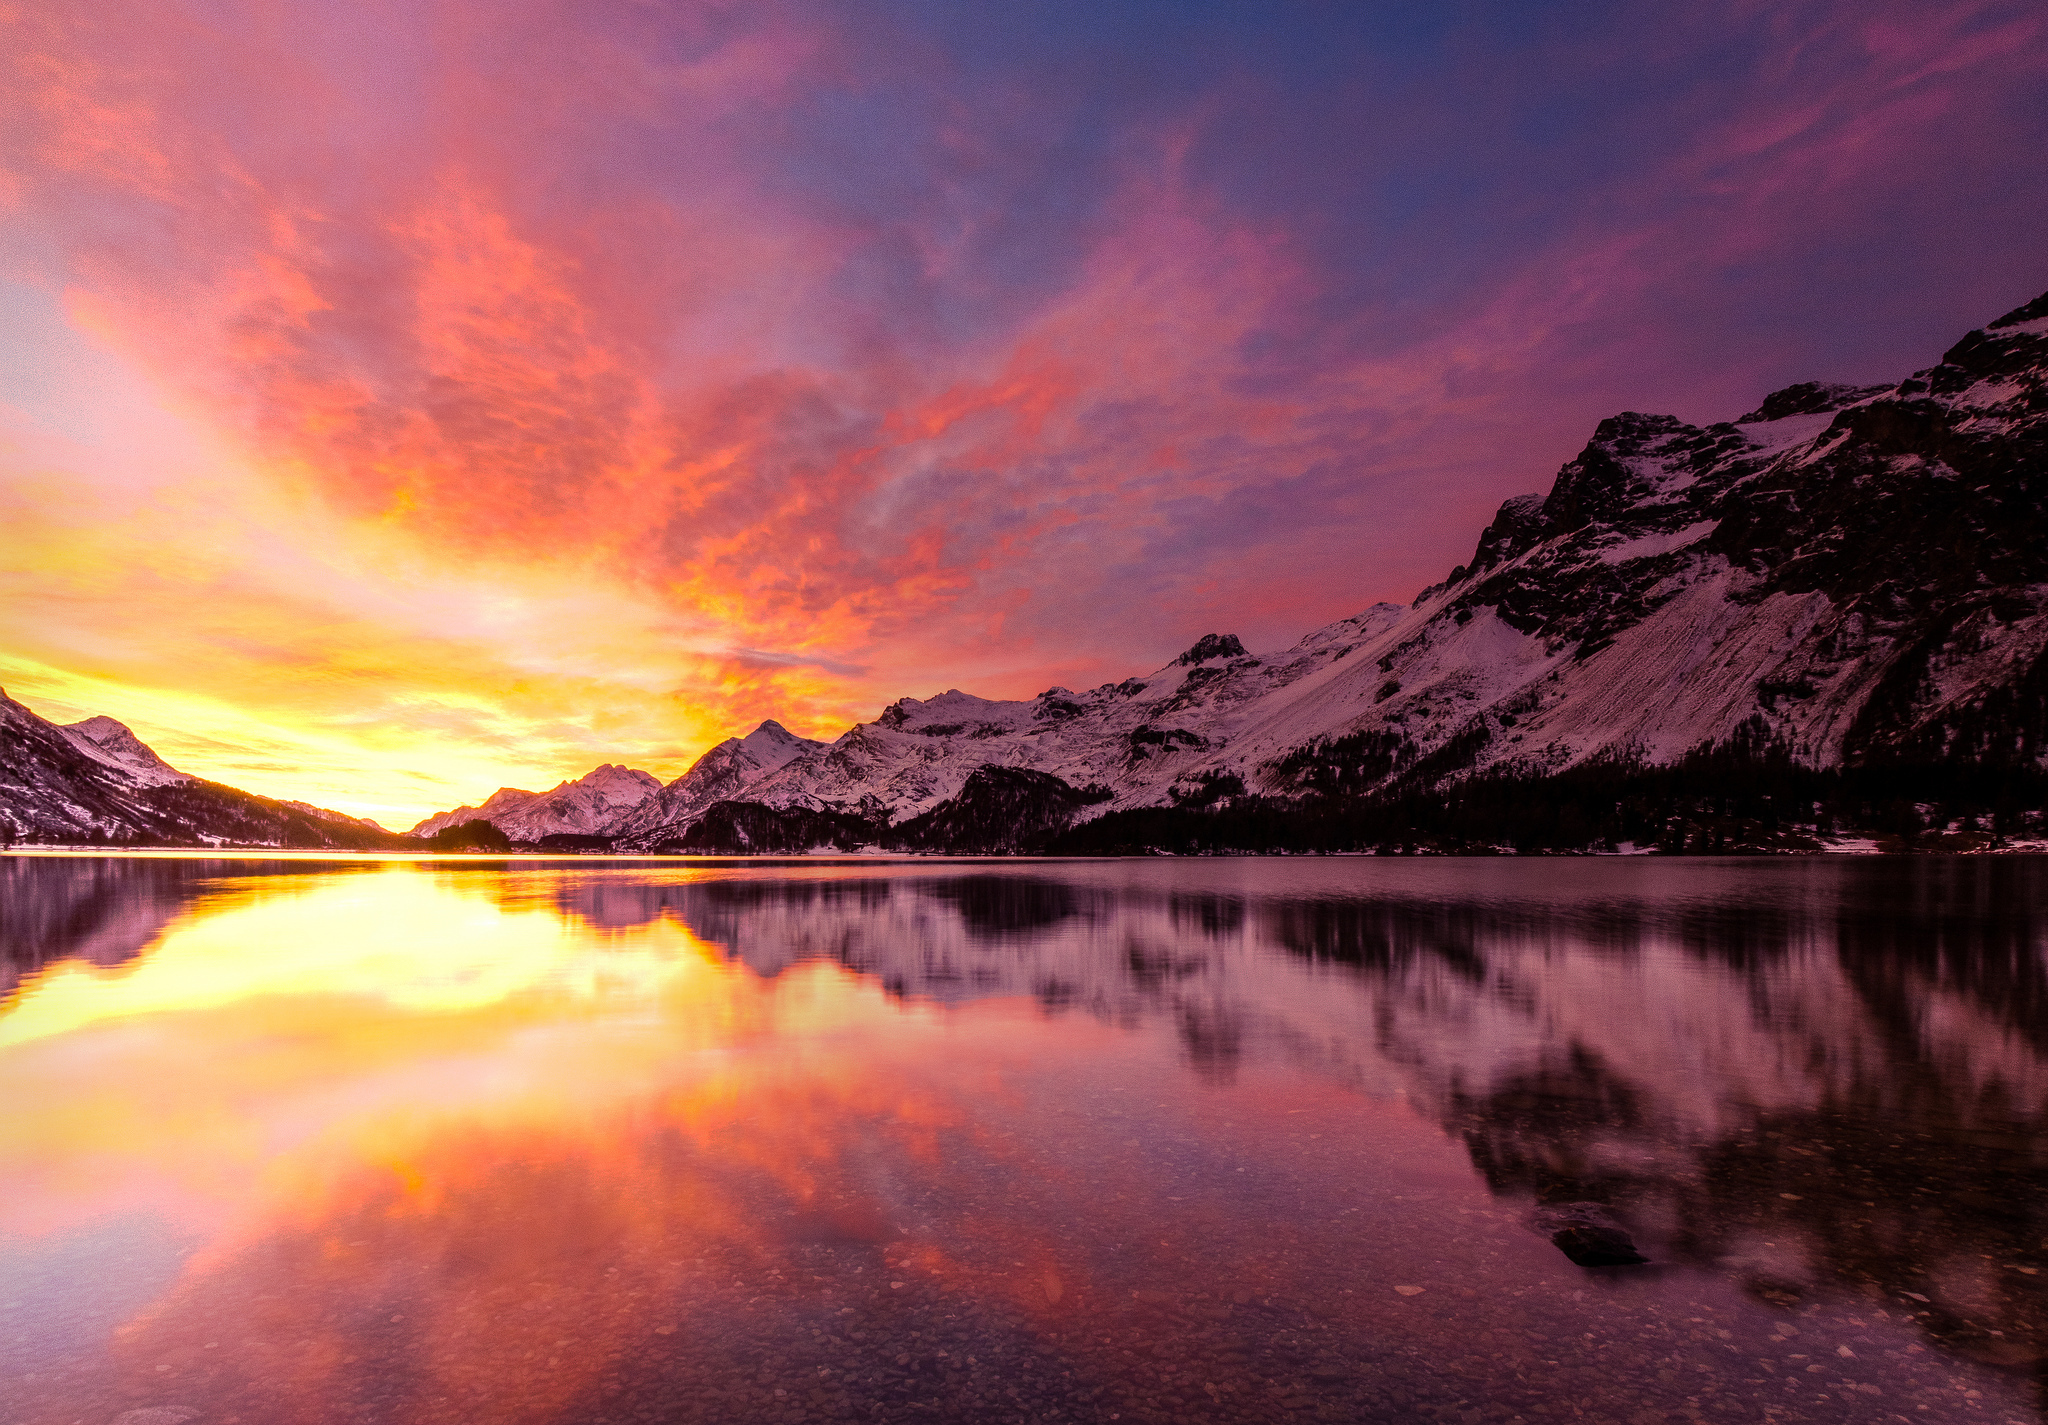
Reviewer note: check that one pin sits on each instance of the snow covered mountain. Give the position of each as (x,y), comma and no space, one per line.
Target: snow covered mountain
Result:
(104,740)
(1847,576)
(96,783)
(728,772)
(621,802)
(587,806)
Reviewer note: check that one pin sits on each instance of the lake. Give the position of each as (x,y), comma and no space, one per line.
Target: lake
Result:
(1236,1140)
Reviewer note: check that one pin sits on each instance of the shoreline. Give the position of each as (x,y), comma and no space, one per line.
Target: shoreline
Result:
(1866,849)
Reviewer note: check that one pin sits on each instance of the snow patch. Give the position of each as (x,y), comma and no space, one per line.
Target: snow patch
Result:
(112,744)
(1786,431)
(1649,546)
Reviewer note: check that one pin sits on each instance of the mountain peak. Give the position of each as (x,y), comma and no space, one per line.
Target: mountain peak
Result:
(101,728)
(2034,311)
(612,774)
(575,808)
(1808,398)
(768,745)
(114,743)
(1628,429)
(1517,526)
(96,783)
(1211,645)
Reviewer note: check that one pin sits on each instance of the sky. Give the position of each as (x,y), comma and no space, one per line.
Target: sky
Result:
(399,400)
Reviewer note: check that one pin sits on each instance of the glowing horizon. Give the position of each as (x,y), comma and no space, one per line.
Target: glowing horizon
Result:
(407,403)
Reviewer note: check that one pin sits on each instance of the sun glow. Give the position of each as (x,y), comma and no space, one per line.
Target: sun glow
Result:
(515,1011)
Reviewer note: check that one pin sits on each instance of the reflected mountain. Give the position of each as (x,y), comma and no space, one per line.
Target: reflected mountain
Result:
(106,910)
(1819,1078)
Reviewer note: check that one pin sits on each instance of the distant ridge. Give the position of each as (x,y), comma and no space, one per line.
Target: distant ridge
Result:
(578,808)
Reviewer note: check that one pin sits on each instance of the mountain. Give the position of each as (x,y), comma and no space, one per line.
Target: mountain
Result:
(728,772)
(96,783)
(999,810)
(583,807)
(325,815)
(1845,579)
(104,740)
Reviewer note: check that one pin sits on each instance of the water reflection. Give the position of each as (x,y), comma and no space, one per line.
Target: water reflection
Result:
(103,910)
(1196,1140)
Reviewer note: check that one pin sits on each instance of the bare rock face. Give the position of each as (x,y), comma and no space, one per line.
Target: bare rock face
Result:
(1211,645)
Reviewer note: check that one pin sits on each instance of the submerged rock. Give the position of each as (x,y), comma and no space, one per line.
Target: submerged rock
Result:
(1588,1233)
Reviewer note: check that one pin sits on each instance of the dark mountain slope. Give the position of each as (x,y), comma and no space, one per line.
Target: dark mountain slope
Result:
(54,793)
(1000,810)
(748,828)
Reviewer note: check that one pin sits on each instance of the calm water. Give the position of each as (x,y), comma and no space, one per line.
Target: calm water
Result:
(1214,1140)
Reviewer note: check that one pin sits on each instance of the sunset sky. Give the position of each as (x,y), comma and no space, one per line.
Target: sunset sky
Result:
(399,400)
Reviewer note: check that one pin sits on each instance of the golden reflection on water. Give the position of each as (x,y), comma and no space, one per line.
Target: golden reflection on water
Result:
(411,1141)
(410,1090)
(316,1023)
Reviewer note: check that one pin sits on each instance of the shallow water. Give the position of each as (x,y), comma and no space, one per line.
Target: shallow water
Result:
(289,1141)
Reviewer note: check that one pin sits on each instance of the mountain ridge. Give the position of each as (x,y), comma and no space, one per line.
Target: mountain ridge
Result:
(95,783)
(575,808)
